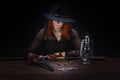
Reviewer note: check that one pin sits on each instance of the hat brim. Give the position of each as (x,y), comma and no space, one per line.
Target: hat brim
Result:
(63,19)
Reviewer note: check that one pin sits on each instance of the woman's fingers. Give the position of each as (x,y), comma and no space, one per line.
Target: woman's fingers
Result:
(51,56)
(63,54)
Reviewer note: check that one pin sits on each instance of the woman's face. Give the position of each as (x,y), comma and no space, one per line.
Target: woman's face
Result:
(57,24)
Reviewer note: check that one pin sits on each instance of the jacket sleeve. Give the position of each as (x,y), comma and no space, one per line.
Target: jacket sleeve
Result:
(75,39)
(36,41)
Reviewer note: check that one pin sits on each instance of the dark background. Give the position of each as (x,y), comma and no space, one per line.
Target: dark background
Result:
(20,21)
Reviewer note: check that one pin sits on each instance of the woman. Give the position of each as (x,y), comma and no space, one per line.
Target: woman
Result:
(56,40)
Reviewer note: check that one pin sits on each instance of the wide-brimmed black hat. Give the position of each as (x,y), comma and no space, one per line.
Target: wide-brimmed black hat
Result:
(60,12)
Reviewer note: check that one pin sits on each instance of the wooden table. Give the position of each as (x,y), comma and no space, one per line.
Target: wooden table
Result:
(100,69)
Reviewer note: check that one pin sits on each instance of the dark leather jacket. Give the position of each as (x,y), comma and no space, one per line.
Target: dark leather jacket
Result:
(46,45)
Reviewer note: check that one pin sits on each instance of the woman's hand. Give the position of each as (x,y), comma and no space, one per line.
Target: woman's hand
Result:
(33,58)
(55,55)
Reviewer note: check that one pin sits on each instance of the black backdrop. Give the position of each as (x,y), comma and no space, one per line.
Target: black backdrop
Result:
(22,19)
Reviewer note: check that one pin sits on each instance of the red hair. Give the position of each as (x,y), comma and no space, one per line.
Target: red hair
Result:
(65,29)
